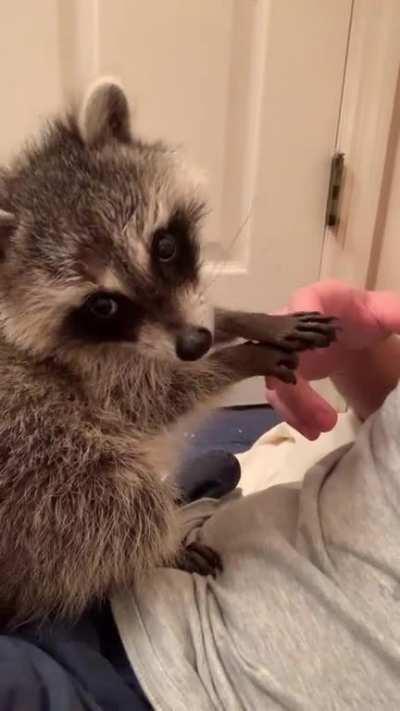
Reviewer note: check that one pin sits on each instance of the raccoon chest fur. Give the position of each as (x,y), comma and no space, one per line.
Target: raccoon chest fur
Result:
(82,507)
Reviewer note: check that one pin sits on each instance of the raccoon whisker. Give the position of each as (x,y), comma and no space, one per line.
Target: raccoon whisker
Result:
(219,266)
(131,215)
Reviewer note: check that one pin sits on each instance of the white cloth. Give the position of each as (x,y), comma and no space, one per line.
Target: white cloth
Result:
(282,455)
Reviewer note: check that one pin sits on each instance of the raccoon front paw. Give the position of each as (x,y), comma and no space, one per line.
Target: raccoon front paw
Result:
(248,360)
(199,558)
(305,330)
(270,361)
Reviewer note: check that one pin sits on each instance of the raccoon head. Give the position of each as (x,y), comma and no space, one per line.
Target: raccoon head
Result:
(99,241)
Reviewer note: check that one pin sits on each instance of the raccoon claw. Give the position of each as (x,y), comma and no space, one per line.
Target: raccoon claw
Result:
(306,330)
(201,559)
(287,332)
(313,330)
(280,364)
(250,359)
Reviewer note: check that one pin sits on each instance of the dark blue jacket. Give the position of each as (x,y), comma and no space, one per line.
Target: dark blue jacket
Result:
(76,668)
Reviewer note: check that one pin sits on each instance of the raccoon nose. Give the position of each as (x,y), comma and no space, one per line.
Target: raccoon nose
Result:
(193,342)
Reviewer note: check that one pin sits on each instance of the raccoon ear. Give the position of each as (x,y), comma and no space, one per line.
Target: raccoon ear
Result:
(105,114)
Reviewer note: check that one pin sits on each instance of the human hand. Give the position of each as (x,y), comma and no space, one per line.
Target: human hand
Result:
(365,318)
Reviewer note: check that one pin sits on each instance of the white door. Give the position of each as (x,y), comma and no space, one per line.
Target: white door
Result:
(252,88)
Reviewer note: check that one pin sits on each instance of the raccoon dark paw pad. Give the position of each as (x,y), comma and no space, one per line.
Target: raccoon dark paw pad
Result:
(284,369)
(201,559)
(314,330)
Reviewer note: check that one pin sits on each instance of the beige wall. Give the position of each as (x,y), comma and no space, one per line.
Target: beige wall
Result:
(385,258)
(388,271)
(29,69)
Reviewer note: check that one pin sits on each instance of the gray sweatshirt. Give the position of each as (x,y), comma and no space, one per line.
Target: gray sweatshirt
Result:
(306,615)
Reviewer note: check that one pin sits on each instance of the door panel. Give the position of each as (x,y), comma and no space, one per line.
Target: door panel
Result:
(253,92)
(30,76)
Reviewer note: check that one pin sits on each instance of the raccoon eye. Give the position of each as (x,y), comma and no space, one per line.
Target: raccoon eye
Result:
(103,306)
(165,247)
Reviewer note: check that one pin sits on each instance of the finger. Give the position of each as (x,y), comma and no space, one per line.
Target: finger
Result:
(306,300)
(327,296)
(302,408)
(385,307)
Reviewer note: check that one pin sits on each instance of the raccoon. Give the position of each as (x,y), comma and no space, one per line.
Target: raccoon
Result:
(106,343)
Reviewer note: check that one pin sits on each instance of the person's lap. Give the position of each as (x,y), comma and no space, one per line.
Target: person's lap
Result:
(299,602)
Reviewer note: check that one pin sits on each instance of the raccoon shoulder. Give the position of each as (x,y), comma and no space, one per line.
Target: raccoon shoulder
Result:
(44,422)
(28,387)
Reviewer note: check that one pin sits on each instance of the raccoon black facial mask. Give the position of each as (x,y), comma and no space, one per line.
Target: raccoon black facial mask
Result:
(105,317)
(175,248)
(89,209)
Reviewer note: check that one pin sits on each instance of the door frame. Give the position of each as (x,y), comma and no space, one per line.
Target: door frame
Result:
(366,132)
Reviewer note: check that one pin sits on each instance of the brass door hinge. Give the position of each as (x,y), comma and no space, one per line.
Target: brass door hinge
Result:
(335,186)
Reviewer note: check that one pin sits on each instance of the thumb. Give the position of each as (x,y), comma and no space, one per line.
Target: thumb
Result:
(302,408)
(385,307)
